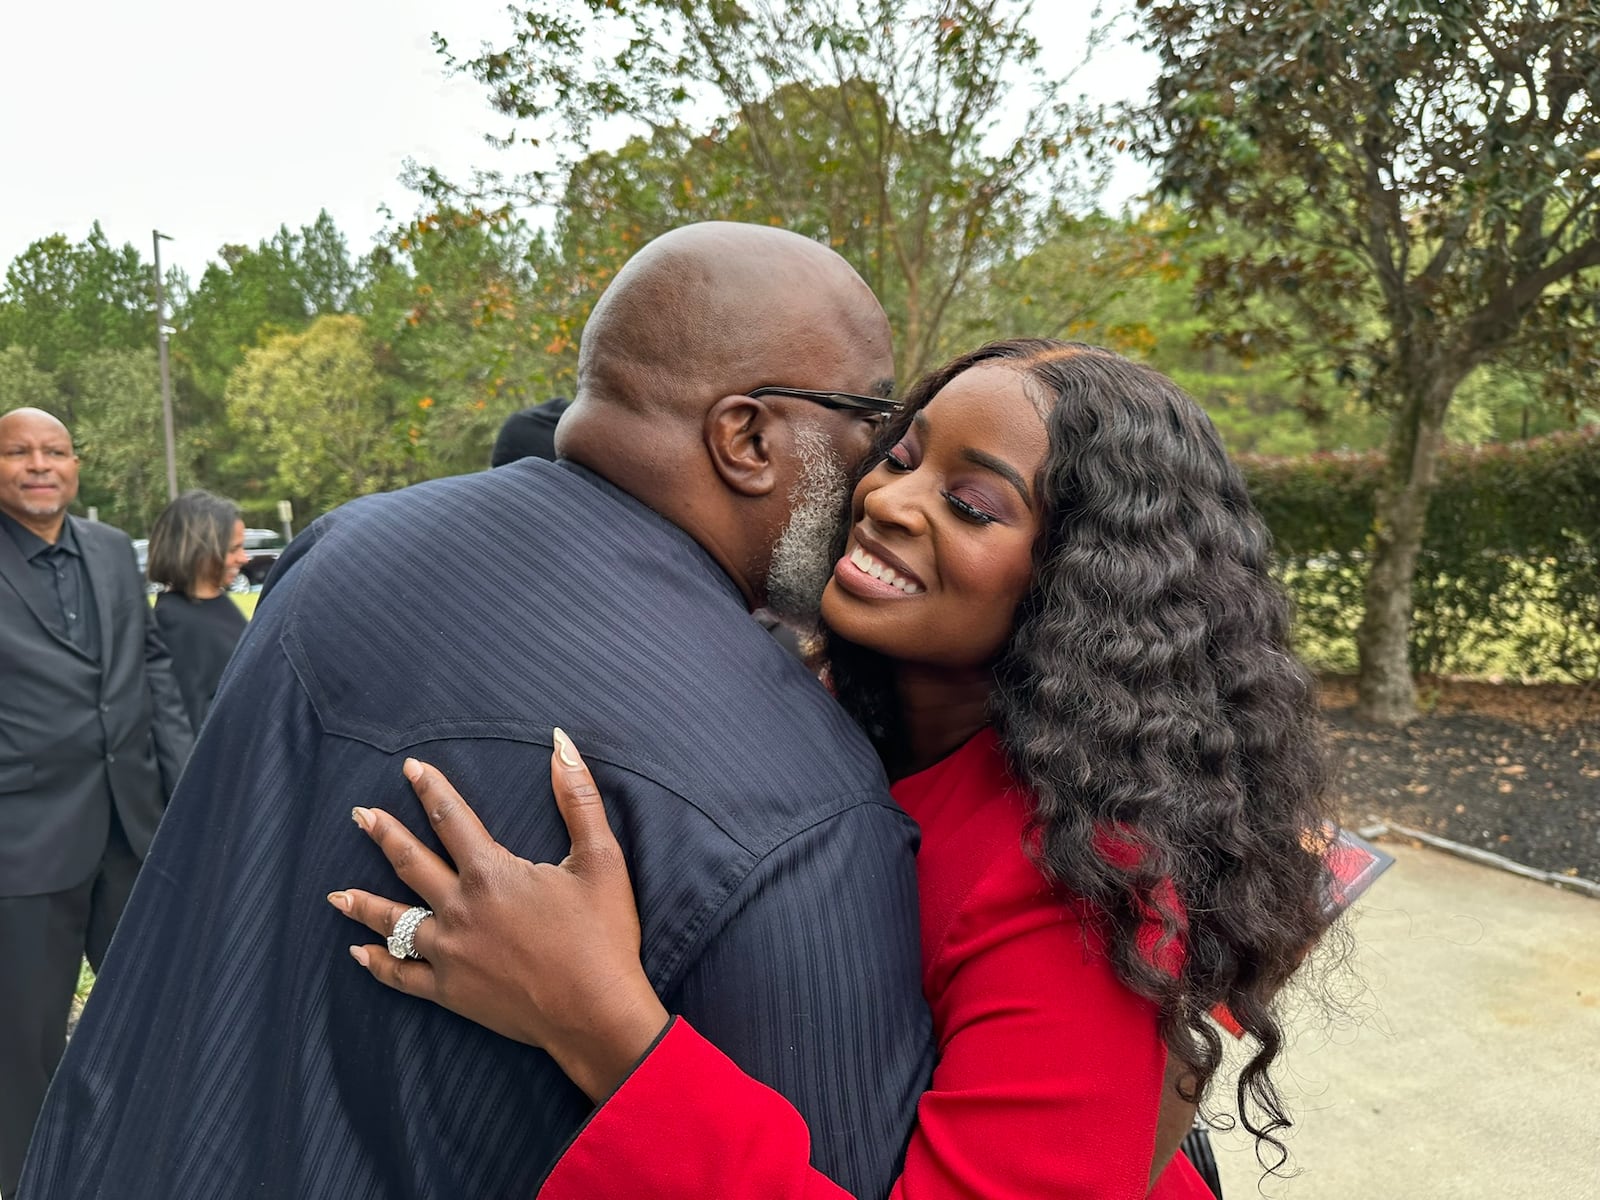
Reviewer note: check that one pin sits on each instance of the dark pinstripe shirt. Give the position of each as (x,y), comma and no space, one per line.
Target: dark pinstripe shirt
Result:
(232,1048)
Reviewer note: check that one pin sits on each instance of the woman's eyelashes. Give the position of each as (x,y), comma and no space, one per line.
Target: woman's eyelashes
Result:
(899,461)
(968,511)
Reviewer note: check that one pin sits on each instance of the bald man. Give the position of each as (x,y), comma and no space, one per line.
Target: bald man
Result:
(728,383)
(92,737)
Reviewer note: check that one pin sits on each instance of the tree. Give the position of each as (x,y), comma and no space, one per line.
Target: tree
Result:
(117,430)
(872,127)
(64,300)
(245,297)
(459,321)
(324,425)
(1419,185)
(24,385)
(279,286)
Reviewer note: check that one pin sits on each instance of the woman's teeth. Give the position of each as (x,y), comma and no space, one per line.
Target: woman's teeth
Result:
(868,565)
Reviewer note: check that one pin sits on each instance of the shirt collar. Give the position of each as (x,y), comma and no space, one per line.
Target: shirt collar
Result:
(30,545)
(666,527)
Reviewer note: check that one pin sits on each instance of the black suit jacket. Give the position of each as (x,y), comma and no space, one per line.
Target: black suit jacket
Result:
(77,736)
(232,1048)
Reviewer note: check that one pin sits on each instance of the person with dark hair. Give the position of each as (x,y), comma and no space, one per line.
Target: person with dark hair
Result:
(1054,619)
(529,433)
(701,471)
(196,550)
(92,739)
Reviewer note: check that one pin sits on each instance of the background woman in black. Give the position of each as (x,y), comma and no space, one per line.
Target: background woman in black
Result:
(196,549)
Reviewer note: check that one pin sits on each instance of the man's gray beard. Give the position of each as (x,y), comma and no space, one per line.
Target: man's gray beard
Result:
(802,559)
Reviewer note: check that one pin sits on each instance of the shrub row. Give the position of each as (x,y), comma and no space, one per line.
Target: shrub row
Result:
(1509,580)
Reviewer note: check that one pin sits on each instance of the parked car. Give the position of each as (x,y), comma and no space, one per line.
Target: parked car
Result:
(141,551)
(264,546)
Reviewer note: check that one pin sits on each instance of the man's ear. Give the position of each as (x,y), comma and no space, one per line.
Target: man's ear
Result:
(740,434)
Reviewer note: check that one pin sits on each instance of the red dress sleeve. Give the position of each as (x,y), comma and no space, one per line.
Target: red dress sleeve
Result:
(1047,1083)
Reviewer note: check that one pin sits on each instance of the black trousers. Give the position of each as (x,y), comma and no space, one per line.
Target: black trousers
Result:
(42,941)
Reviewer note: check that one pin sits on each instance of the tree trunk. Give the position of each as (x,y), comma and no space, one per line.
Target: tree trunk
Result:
(1386,692)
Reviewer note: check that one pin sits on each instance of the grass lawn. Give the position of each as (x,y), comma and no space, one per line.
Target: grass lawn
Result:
(245,600)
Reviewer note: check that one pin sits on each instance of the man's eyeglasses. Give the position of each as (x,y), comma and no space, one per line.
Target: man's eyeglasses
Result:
(877,405)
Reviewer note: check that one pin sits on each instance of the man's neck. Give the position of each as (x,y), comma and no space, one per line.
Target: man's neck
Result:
(46,529)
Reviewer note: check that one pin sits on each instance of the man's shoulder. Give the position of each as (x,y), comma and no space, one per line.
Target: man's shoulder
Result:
(780,756)
(99,536)
(480,510)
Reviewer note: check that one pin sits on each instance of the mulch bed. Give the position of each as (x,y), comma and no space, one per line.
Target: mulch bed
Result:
(1514,769)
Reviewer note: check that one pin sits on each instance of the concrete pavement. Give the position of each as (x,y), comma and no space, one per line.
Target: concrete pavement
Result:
(1468,1065)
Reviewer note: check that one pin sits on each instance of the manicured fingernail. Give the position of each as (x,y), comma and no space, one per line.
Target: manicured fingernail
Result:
(340,900)
(412,769)
(363,818)
(565,750)
(359,953)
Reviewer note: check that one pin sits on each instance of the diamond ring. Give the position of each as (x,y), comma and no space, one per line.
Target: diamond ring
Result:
(402,942)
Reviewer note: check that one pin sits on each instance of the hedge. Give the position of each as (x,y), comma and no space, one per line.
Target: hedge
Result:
(1509,579)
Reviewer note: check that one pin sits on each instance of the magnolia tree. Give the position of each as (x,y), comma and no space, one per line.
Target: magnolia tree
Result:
(1418,186)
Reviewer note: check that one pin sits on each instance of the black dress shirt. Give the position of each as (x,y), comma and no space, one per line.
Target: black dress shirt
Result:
(233,1049)
(62,577)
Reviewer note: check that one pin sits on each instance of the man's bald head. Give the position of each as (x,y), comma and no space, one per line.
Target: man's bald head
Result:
(18,417)
(693,323)
(38,470)
(720,308)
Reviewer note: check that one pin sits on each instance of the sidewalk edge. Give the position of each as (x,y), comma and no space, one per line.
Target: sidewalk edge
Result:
(1571,883)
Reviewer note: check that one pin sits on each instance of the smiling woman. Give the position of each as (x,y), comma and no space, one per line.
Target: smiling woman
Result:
(945,526)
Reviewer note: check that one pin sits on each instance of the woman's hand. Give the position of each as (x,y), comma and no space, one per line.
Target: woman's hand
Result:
(547,954)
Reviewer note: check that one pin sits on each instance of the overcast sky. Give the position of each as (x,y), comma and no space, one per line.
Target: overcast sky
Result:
(217,122)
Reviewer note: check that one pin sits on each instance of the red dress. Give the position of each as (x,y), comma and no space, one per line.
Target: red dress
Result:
(1049,1071)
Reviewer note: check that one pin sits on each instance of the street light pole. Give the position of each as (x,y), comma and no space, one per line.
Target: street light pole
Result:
(166,376)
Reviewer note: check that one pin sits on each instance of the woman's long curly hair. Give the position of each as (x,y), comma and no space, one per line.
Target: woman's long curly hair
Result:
(1148,695)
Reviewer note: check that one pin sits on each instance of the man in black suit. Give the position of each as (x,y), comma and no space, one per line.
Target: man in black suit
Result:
(92,738)
(729,380)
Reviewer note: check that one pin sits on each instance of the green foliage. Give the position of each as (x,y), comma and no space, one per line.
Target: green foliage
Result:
(1419,188)
(118,434)
(24,385)
(1509,581)
(466,331)
(64,300)
(1129,283)
(871,127)
(278,287)
(326,428)
(1416,180)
